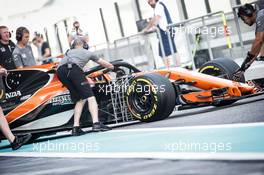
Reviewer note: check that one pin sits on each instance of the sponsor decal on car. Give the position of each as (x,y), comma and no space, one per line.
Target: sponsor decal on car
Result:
(13,94)
(61,100)
(25,97)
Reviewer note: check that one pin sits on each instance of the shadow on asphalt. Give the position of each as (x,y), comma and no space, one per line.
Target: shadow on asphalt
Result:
(212,108)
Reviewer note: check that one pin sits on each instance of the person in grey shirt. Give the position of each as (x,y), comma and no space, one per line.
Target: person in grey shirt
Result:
(78,56)
(251,16)
(70,73)
(23,55)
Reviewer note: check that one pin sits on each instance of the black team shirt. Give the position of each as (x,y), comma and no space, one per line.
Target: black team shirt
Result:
(6,59)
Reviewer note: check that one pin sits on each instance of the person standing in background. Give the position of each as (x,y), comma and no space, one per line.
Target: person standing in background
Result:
(77,32)
(23,55)
(6,49)
(161,20)
(44,48)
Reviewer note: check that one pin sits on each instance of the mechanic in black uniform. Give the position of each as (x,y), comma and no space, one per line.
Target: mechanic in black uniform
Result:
(71,75)
(6,49)
(15,141)
(251,16)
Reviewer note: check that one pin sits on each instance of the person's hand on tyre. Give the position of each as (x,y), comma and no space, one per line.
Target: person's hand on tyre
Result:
(238,74)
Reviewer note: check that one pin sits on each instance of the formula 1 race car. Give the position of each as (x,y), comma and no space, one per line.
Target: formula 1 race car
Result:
(36,101)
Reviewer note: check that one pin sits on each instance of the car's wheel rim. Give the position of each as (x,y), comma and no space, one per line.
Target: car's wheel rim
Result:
(142,101)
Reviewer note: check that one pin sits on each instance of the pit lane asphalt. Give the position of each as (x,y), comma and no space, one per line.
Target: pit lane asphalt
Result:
(249,110)
(245,111)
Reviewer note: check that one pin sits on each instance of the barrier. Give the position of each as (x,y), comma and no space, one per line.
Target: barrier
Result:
(200,23)
(135,49)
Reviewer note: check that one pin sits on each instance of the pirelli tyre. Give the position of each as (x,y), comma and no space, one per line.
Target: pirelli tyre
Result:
(150,97)
(223,68)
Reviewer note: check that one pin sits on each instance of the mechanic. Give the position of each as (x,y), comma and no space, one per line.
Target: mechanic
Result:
(251,16)
(23,54)
(44,49)
(15,141)
(71,75)
(77,32)
(6,49)
(161,19)
(260,4)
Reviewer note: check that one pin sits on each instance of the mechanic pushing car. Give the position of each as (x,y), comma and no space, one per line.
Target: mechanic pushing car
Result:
(71,75)
(251,16)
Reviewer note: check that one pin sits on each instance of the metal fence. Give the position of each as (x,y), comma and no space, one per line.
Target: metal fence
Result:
(232,40)
(200,33)
(198,40)
(136,49)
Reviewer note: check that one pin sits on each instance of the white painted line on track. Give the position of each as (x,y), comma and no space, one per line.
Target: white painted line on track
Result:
(142,155)
(239,125)
(224,126)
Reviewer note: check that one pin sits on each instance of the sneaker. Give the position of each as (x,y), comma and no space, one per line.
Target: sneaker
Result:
(261,58)
(20,140)
(98,126)
(77,131)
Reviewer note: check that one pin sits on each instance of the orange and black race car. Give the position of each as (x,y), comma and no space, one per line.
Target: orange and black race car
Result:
(36,101)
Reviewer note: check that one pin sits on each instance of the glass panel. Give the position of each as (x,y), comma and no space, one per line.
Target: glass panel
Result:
(223,5)
(128,17)
(63,36)
(147,11)
(195,8)
(53,42)
(247,1)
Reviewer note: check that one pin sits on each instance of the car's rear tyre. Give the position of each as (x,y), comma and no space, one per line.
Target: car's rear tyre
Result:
(151,97)
(223,68)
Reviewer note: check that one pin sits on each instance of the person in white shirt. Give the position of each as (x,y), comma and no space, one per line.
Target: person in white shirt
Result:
(161,20)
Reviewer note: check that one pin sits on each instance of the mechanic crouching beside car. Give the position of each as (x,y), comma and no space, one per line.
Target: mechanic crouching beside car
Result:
(71,75)
(251,16)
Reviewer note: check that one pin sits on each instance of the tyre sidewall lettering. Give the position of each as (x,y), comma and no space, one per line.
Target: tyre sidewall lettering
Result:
(152,89)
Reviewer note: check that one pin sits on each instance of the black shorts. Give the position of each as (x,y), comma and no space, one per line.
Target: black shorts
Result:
(75,80)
